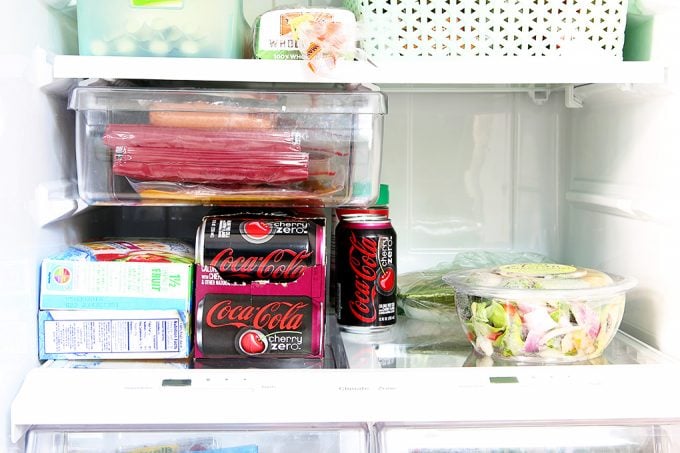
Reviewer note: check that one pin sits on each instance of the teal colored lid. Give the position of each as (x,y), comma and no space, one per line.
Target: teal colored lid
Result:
(384,197)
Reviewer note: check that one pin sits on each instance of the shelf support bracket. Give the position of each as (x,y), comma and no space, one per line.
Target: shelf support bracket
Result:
(539,97)
(42,75)
(56,200)
(571,100)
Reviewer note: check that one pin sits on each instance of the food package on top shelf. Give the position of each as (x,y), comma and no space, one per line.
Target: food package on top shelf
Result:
(424,295)
(117,299)
(198,146)
(322,36)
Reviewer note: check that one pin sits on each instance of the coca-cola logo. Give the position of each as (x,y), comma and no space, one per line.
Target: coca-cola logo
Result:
(363,263)
(272,316)
(278,265)
(256,231)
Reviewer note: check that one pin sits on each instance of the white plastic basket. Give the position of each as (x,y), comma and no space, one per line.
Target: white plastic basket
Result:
(454,28)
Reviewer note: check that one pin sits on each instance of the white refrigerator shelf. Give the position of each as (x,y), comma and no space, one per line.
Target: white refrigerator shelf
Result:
(143,399)
(505,72)
(418,373)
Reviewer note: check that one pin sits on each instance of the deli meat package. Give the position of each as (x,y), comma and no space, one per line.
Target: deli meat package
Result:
(260,285)
(172,146)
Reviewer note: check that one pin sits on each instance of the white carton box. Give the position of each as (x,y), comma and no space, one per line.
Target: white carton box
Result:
(113,334)
(117,299)
(115,285)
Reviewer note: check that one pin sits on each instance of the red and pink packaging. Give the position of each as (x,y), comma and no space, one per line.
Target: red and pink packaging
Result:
(260,285)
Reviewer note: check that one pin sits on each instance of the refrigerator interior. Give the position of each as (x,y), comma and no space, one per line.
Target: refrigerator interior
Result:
(469,167)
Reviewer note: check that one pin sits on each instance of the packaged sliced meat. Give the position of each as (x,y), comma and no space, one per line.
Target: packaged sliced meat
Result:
(185,137)
(210,165)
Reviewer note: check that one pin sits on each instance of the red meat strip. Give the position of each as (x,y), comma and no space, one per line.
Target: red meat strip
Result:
(210,165)
(175,137)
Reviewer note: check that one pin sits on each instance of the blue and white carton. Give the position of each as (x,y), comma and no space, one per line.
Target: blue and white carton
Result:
(117,299)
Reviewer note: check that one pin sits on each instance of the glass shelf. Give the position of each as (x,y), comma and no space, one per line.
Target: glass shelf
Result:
(420,344)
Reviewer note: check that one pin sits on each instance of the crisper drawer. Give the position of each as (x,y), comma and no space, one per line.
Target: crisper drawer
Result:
(239,439)
(206,146)
(529,439)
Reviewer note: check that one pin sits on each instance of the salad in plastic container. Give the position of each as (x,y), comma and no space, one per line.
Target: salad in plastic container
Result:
(539,312)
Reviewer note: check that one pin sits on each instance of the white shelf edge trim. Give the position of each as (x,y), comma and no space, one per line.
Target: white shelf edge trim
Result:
(92,398)
(463,71)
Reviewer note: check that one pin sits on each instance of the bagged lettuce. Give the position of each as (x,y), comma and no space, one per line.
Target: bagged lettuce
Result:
(424,295)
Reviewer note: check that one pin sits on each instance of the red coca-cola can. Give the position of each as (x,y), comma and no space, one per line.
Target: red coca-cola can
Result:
(347,213)
(249,248)
(366,266)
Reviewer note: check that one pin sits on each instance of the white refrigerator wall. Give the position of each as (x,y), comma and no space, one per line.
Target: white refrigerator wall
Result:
(37,148)
(594,186)
(472,170)
(621,201)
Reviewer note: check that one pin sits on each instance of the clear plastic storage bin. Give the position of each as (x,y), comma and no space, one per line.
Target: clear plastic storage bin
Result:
(161,28)
(303,148)
(549,437)
(353,438)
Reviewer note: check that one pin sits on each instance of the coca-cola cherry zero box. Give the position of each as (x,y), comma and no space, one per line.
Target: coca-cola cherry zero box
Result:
(260,285)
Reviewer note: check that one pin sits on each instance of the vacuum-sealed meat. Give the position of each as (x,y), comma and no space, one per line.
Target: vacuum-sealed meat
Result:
(210,166)
(152,153)
(185,137)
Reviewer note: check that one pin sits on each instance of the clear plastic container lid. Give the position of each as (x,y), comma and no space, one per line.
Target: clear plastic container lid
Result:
(539,280)
(235,101)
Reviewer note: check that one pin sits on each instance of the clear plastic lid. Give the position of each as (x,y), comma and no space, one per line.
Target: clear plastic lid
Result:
(242,101)
(533,280)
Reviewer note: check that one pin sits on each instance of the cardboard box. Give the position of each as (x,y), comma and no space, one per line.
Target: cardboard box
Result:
(115,285)
(180,364)
(122,298)
(260,318)
(113,334)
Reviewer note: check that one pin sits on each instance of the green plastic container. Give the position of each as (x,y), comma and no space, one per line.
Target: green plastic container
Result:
(161,28)
(639,32)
